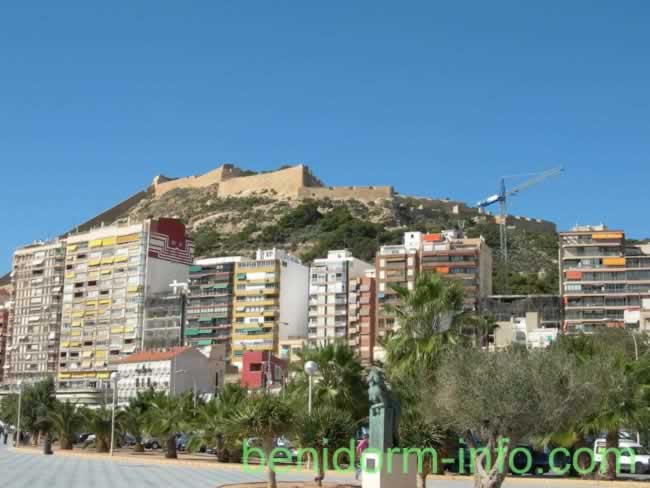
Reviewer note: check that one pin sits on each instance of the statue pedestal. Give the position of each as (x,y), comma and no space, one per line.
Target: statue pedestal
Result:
(384,471)
(382,422)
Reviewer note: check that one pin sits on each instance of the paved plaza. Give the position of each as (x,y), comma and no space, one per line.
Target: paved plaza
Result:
(30,469)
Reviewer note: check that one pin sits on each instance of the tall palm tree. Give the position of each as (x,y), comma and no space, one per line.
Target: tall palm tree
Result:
(429,316)
(327,427)
(66,420)
(339,382)
(166,416)
(266,417)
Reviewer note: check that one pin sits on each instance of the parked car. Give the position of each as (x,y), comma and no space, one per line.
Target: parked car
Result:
(638,462)
(151,443)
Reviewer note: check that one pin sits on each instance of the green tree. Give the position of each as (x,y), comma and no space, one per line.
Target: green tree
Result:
(132,418)
(210,424)
(166,416)
(429,316)
(506,395)
(339,382)
(266,417)
(99,421)
(326,427)
(67,419)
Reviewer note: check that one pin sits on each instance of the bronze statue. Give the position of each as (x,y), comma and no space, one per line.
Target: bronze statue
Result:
(384,412)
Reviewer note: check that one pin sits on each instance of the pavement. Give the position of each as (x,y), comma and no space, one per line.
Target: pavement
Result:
(29,468)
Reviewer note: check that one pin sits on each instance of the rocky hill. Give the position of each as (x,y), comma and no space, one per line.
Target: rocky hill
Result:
(309,227)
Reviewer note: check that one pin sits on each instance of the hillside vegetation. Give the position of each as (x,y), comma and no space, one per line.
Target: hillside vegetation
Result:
(240,225)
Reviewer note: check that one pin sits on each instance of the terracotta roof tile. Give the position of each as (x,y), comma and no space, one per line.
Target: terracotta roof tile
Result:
(147,356)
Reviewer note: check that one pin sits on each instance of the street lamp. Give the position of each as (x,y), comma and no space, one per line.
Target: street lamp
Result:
(311,368)
(20,398)
(194,395)
(115,377)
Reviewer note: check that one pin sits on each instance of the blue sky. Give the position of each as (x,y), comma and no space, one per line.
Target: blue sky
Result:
(437,98)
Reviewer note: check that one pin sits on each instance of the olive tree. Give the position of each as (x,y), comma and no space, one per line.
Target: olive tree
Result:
(499,399)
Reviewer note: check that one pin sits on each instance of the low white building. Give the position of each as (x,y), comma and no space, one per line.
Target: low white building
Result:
(174,371)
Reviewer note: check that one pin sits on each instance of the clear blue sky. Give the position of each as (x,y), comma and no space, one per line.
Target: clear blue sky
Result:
(436,98)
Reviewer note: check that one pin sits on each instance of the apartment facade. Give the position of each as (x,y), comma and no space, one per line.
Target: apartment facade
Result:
(605,282)
(468,260)
(163,318)
(328,295)
(271,296)
(362,301)
(5,305)
(395,265)
(109,273)
(173,371)
(209,305)
(32,340)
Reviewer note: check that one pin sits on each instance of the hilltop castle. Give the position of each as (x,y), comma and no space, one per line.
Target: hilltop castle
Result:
(293,182)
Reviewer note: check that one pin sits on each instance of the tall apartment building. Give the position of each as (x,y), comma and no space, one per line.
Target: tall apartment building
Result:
(605,282)
(328,295)
(395,265)
(362,302)
(468,260)
(271,296)
(163,319)
(4,325)
(109,273)
(209,306)
(35,317)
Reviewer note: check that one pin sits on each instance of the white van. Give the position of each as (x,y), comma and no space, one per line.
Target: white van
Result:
(640,458)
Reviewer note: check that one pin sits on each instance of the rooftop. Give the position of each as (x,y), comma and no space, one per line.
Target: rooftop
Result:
(150,356)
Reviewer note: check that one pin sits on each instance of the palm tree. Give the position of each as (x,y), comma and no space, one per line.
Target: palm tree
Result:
(99,421)
(132,418)
(327,427)
(166,416)
(66,420)
(266,417)
(210,422)
(339,382)
(428,316)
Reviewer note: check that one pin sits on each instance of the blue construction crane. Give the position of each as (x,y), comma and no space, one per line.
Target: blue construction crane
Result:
(502,198)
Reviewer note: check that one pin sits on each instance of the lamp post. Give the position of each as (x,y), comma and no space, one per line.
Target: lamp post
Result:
(20,398)
(115,377)
(311,368)
(194,392)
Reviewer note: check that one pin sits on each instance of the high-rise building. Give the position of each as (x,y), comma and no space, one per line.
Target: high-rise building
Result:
(209,305)
(35,316)
(468,260)
(395,265)
(109,273)
(271,295)
(163,317)
(362,302)
(328,295)
(605,281)
(4,325)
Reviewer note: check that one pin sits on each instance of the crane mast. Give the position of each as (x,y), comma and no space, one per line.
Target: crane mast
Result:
(502,197)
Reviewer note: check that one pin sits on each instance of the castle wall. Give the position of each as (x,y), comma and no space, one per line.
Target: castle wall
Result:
(364,193)
(287,181)
(214,177)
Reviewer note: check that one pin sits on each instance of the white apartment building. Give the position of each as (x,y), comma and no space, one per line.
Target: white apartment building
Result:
(34,321)
(328,295)
(174,371)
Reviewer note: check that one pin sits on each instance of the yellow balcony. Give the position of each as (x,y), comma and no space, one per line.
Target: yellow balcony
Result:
(127,238)
(109,241)
(120,259)
(95,243)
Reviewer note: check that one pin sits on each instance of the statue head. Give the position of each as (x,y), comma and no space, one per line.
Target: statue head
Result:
(375,376)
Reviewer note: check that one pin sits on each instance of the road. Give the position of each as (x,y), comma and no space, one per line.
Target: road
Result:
(27,469)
